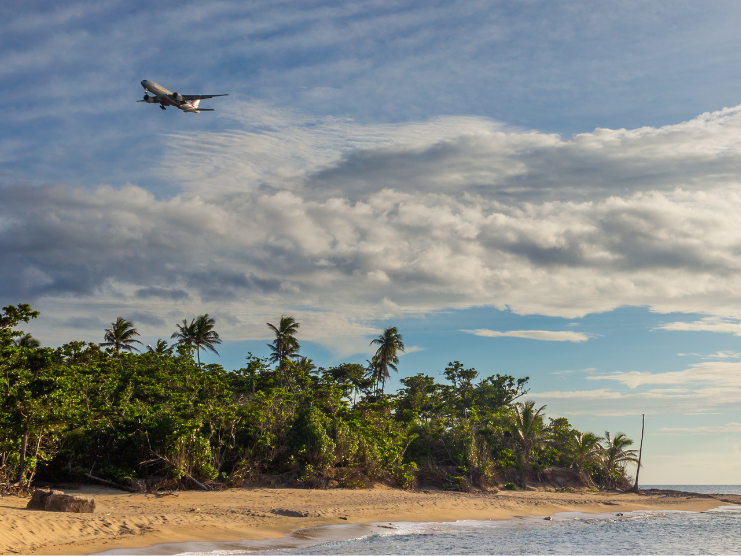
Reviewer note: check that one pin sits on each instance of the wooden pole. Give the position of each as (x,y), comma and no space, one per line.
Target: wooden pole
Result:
(640,453)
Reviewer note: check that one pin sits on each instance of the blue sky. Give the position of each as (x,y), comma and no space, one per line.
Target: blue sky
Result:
(562,178)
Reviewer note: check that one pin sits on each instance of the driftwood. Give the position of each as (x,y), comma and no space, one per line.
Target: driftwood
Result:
(191,477)
(109,483)
(200,485)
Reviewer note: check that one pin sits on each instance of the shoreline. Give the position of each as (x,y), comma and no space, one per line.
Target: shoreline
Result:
(124,520)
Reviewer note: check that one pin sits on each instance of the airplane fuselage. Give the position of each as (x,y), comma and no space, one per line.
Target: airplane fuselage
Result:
(155,88)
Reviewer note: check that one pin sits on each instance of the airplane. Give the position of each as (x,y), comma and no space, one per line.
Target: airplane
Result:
(163,97)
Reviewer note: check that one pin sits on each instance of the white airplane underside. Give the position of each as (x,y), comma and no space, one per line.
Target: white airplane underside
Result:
(163,97)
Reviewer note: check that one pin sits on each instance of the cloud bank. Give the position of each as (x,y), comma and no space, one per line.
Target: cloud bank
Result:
(345,224)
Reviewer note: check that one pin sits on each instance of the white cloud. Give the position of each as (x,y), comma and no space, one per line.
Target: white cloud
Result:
(545,335)
(413,349)
(712,429)
(696,390)
(605,402)
(707,324)
(717,373)
(563,373)
(723,355)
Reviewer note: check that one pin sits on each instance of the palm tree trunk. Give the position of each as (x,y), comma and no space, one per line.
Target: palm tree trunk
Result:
(640,452)
(198,352)
(24,448)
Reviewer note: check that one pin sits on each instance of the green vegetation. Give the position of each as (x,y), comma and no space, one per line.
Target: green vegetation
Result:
(85,411)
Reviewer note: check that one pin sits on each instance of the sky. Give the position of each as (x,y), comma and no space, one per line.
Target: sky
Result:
(542,189)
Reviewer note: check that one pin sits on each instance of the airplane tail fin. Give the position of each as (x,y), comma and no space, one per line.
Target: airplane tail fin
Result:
(196,103)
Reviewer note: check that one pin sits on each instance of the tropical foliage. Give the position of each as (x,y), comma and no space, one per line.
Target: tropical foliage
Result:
(84,411)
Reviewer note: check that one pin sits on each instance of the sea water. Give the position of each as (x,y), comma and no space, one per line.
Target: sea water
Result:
(700,489)
(712,532)
(715,531)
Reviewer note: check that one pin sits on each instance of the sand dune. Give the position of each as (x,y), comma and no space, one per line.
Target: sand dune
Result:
(125,520)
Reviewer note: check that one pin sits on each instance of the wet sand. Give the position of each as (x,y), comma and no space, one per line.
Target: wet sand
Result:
(124,520)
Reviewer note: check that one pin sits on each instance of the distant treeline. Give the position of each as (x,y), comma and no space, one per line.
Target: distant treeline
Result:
(85,411)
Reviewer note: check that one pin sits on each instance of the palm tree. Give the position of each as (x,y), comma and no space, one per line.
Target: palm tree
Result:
(200,333)
(299,371)
(528,428)
(586,448)
(615,454)
(160,348)
(26,341)
(184,332)
(371,373)
(121,335)
(387,355)
(285,346)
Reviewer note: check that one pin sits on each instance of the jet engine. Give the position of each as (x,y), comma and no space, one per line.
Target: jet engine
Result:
(177,96)
(150,100)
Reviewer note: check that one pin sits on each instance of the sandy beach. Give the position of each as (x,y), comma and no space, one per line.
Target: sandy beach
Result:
(125,520)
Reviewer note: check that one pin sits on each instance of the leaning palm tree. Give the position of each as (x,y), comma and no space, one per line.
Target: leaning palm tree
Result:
(200,333)
(285,346)
(528,428)
(615,455)
(387,355)
(26,341)
(121,335)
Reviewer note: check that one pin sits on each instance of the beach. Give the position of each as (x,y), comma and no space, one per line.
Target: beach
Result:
(124,520)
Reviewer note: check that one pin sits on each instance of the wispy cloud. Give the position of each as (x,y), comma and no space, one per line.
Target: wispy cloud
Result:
(723,355)
(587,370)
(545,335)
(687,401)
(716,373)
(707,324)
(713,429)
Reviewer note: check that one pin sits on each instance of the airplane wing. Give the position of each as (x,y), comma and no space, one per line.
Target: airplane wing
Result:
(201,97)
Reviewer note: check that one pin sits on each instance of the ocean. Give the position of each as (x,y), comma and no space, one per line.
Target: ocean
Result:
(715,531)
(701,489)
